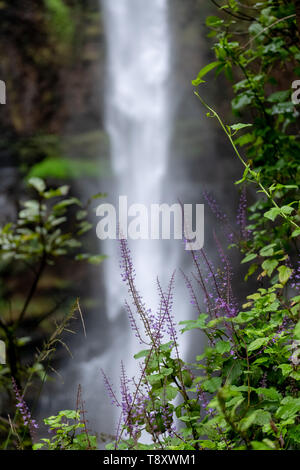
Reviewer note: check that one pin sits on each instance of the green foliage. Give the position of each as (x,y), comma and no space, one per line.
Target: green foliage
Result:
(39,235)
(262,63)
(48,230)
(62,168)
(243,391)
(69,433)
(60,20)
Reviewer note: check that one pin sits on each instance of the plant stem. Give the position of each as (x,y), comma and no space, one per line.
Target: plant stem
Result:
(247,167)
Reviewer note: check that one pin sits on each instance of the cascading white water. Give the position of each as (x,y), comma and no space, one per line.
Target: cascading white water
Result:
(137,121)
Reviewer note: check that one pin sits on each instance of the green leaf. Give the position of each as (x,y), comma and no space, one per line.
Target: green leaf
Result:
(272,213)
(140,354)
(204,71)
(296,233)
(267,250)
(282,108)
(194,324)
(70,414)
(61,191)
(244,176)
(287,209)
(279,96)
(154,378)
(234,371)
(206,444)
(246,422)
(257,343)
(286,369)
(96,259)
(270,394)
(99,196)
(262,417)
(223,347)
(37,446)
(82,214)
(244,139)
(249,257)
(38,184)
(239,126)
(240,101)
(188,419)
(290,408)
(212,385)
(84,227)
(297,331)
(269,265)
(294,433)
(213,21)
(284,274)
(256,445)
(169,393)
(65,203)
(253,267)
(63,168)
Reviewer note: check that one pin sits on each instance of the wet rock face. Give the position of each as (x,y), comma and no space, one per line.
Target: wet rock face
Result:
(50,80)
(9,182)
(51,91)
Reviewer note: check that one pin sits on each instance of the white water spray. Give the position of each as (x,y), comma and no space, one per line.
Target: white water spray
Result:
(138,121)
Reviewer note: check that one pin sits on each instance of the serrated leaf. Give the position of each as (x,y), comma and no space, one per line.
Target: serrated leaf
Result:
(223,346)
(140,354)
(169,393)
(286,369)
(271,394)
(257,343)
(194,324)
(239,126)
(284,274)
(212,385)
(287,209)
(297,331)
(272,213)
(267,250)
(296,233)
(269,265)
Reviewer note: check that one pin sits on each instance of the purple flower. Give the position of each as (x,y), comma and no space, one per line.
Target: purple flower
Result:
(128,276)
(295,278)
(23,409)
(166,301)
(241,218)
(221,216)
(110,391)
(263,382)
(194,300)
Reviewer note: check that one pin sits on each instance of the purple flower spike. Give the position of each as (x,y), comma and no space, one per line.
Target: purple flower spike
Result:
(24,410)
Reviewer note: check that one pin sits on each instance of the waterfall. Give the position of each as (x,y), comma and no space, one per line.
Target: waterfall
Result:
(138,122)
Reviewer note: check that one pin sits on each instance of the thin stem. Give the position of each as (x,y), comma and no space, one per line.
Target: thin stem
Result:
(247,167)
